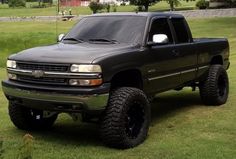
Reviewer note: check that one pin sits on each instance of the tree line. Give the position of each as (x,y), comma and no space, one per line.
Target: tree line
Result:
(142,5)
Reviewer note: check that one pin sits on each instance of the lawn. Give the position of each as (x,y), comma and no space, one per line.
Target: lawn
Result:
(21,35)
(6,12)
(181,126)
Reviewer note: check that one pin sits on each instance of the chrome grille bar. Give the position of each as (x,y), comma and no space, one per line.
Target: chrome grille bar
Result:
(56,74)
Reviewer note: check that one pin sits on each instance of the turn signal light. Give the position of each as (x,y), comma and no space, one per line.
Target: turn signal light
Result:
(85,82)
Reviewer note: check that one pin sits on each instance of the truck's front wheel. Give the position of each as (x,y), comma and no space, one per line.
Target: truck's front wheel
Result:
(126,120)
(215,88)
(27,118)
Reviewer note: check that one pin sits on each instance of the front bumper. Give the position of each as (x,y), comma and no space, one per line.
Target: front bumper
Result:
(62,99)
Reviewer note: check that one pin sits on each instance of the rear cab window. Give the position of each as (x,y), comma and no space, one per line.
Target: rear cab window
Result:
(181,30)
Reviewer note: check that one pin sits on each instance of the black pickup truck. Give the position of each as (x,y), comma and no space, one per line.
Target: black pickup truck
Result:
(108,67)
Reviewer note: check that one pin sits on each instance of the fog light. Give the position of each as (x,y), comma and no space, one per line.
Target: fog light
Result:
(12,76)
(85,82)
(74,82)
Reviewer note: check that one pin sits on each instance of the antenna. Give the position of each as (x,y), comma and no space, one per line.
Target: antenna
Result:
(57,13)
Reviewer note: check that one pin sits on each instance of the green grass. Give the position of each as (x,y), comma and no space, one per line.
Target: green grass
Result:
(181,126)
(6,12)
(22,35)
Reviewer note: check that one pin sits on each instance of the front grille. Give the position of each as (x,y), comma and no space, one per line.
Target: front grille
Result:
(42,80)
(43,67)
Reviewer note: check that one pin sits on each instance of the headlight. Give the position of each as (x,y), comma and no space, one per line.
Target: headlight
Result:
(86,68)
(11,64)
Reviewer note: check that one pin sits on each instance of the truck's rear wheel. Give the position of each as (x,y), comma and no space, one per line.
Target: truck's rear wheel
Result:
(214,90)
(126,120)
(27,118)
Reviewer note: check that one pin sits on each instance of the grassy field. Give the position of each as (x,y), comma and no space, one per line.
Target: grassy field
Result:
(181,126)
(6,12)
(22,35)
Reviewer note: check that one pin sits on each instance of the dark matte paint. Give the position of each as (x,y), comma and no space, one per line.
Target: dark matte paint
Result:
(114,58)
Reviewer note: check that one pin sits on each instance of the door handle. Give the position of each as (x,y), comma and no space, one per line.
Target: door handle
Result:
(175,53)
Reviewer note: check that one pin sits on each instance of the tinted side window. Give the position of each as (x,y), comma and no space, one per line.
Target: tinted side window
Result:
(160,26)
(180,30)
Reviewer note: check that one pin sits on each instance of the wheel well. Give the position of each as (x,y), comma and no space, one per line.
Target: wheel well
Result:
(128,78)
(217,60)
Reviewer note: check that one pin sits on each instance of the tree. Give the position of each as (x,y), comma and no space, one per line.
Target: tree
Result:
(2,1)
(40,1)
(143,4)
(95,6)
(174,3)
(16,3)
(232,3)
(222,4)
(107,6)
(202,4)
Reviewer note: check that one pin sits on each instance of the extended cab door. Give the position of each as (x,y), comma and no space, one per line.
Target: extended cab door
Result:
(185,50)
(162,68)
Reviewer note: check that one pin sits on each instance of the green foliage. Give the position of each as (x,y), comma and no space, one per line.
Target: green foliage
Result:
(96,6)
(224,3)
(175,3)
(3,1)
(5,11)
(202,4)
(233,3)
(16,3)
(227,1)
(143,5)
(123,4)
(107,6)
(114,7)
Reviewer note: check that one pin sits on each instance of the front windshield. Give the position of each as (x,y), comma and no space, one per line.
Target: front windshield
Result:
(118,29)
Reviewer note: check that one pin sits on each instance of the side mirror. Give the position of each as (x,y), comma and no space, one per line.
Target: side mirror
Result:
(160,39)
(60,37)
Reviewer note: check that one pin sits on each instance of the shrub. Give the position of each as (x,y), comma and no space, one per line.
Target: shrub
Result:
(16,3)
(114,8)
(222,3)
(39,6)
(107,6)
(95,6)
(202,4)
(123,4)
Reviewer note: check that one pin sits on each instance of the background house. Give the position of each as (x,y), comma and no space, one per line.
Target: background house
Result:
(74,3)
(117,2)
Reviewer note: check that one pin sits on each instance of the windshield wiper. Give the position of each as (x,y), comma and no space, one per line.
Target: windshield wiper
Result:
(74,39)
(104,40)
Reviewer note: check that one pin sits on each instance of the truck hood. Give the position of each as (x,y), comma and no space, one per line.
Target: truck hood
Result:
(70,53)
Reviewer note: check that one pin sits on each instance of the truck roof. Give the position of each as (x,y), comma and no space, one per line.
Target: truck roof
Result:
(144,14)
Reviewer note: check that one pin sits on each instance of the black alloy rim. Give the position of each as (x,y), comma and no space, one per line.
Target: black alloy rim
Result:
(135,120)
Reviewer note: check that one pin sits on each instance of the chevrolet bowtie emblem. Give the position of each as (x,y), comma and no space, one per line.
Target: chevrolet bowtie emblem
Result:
(37,73)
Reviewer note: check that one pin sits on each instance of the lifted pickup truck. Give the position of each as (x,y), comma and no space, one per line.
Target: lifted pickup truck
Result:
(108,67)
